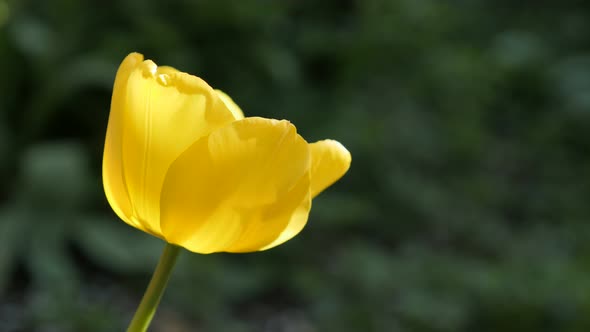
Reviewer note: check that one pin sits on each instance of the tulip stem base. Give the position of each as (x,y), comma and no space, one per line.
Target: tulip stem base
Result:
(149,303)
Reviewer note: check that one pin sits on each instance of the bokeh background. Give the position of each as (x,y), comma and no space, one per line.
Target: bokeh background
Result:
(466,207)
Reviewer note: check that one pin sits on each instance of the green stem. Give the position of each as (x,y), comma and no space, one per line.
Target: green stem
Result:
(149,303)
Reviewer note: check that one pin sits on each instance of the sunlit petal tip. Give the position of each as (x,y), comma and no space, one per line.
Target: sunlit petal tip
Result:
(127,66)
(148,68)
(231,105)
(131,61)
(330,161)
(339,149)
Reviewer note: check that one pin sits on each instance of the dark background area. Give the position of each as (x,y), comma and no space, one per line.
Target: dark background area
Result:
(466,208)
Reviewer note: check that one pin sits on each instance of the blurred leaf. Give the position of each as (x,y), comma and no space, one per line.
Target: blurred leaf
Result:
(117,246)
(34,37)
(56,175)
(12,232)
(466,207)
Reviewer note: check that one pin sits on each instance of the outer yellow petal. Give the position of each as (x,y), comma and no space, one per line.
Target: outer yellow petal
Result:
(237,189)
(112,165)
(294,226)
(330,161)
(160,112)
(233,107)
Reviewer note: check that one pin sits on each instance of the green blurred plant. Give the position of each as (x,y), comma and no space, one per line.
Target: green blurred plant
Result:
(465,209)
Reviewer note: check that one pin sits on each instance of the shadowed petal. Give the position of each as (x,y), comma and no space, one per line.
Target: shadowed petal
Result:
(237,189)
(329,162)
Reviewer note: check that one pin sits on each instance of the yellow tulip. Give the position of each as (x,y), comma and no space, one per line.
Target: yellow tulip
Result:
(182,163)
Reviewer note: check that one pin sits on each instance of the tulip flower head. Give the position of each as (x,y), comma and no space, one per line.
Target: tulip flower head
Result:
(181,162)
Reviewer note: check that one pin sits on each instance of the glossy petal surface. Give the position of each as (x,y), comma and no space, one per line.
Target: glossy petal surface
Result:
(330,161)
(155,115)
(233,107)
(182,163)
(237,189)
(112,165)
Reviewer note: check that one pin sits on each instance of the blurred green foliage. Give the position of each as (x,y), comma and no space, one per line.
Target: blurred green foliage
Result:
(466,208)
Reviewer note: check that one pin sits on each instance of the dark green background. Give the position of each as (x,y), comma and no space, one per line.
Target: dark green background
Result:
(466,207)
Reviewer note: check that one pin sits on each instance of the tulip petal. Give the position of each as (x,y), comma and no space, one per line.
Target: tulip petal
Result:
(112,166)
(330,160)
(163,111)
(237,189)
(233,107)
